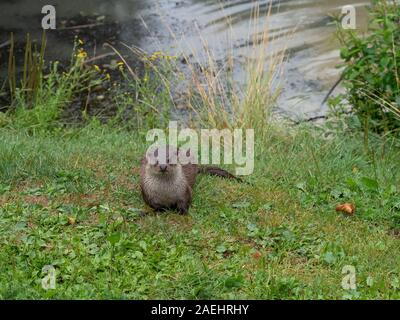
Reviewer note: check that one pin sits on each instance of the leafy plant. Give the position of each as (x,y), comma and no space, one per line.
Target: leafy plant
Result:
(151,104)
(38,98)
(372,68)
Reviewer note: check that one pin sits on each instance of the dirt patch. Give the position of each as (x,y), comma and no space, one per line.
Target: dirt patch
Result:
(36,200)
(33,200)
(394,232)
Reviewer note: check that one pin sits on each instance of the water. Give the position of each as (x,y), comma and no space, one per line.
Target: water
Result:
(313,51)
(312,46)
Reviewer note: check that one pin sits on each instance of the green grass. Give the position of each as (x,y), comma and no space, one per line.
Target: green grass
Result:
(276,238)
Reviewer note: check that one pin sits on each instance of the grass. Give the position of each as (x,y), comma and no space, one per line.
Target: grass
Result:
(69,196)
(71,199)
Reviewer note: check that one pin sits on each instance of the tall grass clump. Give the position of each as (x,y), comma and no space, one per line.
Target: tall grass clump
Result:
(206,86)
(37,97)
(263,75)
(145,97)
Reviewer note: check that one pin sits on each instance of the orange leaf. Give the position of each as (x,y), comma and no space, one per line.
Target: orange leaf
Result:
(346,208)
(257,255)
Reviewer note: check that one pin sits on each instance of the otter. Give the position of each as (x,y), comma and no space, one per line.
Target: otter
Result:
(166,183)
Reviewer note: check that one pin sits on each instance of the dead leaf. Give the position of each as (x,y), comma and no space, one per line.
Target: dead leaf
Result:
(346,208)
(257,255)
(71,221)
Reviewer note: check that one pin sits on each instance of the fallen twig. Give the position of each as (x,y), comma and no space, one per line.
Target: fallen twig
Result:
(332,89)
(5,44)
(82,26)
(318,118)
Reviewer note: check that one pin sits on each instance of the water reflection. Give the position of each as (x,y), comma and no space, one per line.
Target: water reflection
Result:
(222,24)
(314,51)
(25,15)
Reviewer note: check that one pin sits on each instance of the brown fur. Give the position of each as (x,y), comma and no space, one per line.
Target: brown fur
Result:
(168,186)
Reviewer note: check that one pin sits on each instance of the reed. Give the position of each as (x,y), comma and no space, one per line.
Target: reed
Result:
(37,98)
(214,97)
(32,70)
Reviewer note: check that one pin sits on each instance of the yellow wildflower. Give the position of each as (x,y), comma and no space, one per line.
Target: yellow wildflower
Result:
(156,55)
(82,54)
(97,68)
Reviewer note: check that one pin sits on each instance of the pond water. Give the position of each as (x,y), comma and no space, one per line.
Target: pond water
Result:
(313,51)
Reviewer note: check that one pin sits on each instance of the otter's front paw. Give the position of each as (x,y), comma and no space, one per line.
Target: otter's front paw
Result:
(183,209)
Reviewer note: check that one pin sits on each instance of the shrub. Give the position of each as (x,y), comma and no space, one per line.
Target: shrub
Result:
(372,65)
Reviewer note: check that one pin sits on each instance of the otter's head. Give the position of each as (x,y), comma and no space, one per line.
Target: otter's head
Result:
(162,161)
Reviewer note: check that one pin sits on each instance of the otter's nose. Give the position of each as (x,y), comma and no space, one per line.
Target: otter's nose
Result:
(163,167)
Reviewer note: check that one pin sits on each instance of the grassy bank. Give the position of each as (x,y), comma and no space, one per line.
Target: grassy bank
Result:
(70,196)
(72,200)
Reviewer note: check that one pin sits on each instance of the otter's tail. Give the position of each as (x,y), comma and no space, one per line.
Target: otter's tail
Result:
(215,171)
